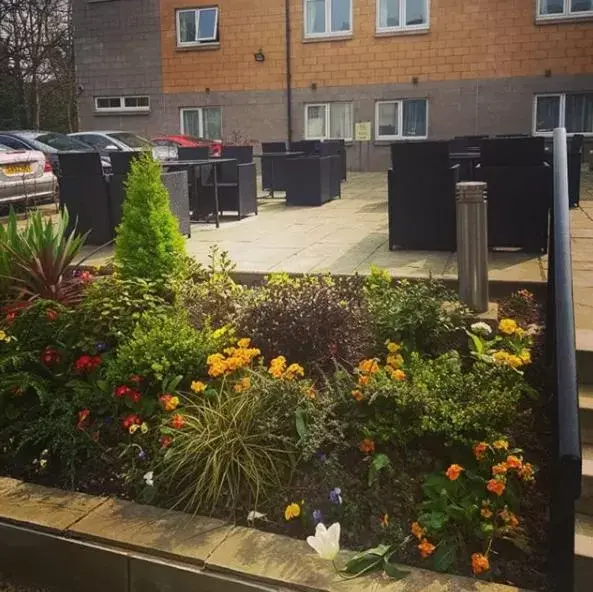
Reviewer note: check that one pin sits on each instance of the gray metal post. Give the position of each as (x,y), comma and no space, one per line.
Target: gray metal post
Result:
(472,245)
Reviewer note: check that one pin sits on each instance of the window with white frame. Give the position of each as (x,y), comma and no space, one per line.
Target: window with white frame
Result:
(202,122)
(197,26)
(402,15)
(573,111)
(133,104)
(328,17)
(324,121)
(402,119)
(564,8)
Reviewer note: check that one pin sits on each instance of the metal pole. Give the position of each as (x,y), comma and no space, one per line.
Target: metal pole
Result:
(472,245)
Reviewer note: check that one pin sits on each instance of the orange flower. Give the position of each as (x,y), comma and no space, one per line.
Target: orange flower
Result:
(83,415)
(370,366)
(166,441)
(453,472)
(480,449)
(357,395)
(486,512)
(385,520)
(526,472)
(310,393)
(509,518)
(177,421)
(367,446)
(417,530)
(169,402)
(363,380)
(500,469)
(514,462)
(398,375)
(480,563)
(496,486)
(426,548)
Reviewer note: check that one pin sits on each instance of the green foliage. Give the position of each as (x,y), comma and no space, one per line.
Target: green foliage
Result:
(467,508)
(113,306)
(238,445)
(212,298)
(424,314)
(148,244)
(162,347)
(34,260)
(311,321)
(375,559)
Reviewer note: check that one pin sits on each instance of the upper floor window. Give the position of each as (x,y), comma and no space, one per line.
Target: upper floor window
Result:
(324,121)
(202,122)
(402,15)
(402,119)
(564,8)
(197,26)
(573,111)
(139,103)
(328,17)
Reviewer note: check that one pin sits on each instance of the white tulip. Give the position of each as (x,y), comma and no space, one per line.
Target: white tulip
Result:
(149,478)
(253,516)
(326,541)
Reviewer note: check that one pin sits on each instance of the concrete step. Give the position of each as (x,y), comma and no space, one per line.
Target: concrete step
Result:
(586,412)
(584,342)
(583,553)
(585,503)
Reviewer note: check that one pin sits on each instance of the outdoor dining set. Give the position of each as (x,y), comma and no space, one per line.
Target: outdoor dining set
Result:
(517,170)
(202,188)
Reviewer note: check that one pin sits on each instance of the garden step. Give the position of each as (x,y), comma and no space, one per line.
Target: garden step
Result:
(583,551)
(585,503)
(586,412)
(584,342)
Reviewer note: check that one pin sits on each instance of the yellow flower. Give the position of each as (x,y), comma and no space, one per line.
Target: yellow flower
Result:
(310,393)
(392,347)
(395,361)
(507,326)
(277,367)
(133,428)
(144,427)
(398,375)
(520,332)
(370,366)
(525,356)
(219,332)
(500,357)
(292,511)
(293,371)
(515,361)
(501,445)
(243,385)
(4,337)
(244,343)
(197,386)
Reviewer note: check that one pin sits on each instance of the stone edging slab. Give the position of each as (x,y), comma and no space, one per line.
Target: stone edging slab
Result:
(85,543)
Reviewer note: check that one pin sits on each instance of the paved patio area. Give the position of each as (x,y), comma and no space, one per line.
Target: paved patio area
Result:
(350,235)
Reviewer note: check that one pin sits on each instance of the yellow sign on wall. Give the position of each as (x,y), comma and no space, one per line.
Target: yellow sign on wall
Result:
(362,131)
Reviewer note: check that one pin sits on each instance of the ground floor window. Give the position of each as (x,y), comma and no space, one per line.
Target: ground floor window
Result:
(325,121)
(574,111)
(202,122)
(403,118)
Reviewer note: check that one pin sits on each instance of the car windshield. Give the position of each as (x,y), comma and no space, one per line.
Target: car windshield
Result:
(56,141)
(4,148)
(132,140)
(194,139)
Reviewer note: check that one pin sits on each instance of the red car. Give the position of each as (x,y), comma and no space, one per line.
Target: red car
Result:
(181,141)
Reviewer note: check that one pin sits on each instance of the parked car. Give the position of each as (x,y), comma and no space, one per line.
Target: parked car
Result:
(106,142)
(50,143)
(26,175)
(183,141)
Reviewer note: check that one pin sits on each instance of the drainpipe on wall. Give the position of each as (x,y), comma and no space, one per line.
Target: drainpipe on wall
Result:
(288,75)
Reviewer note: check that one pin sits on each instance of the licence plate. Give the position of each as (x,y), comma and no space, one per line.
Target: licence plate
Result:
(17,169)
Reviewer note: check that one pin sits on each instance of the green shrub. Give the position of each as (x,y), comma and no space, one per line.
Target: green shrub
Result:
(425,315)
(149,243)
(238,443)
(310,320)
(163,347)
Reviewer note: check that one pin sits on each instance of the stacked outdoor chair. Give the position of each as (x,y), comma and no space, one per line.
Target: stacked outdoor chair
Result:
(575,159)
(84,192)
(308,147)
(421,196)
(273,169)
(519,186)
(331,149)
(195,174)
(309,180)
(237,183)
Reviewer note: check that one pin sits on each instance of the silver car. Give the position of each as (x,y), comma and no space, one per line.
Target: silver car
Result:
(106,142)
(26,175)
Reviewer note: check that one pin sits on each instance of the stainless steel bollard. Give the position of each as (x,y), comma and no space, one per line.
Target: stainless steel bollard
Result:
(472,245)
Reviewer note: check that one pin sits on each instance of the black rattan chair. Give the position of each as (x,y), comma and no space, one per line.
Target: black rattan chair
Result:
(421,196)
(331,149)
(308,180)
(273,168)
(308,147)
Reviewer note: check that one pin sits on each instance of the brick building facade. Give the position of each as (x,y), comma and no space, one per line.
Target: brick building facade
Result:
(413,68)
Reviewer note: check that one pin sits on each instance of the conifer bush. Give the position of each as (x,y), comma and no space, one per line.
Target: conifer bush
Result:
(149,243)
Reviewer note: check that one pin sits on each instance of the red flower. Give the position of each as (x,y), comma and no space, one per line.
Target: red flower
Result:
(121,391)
(166,441)
(52,315)
(50,356)
(130,420)
(82,417)
(86,363)
(86,276)
(177,421)
(135,379)
(134,395)
(13,310)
